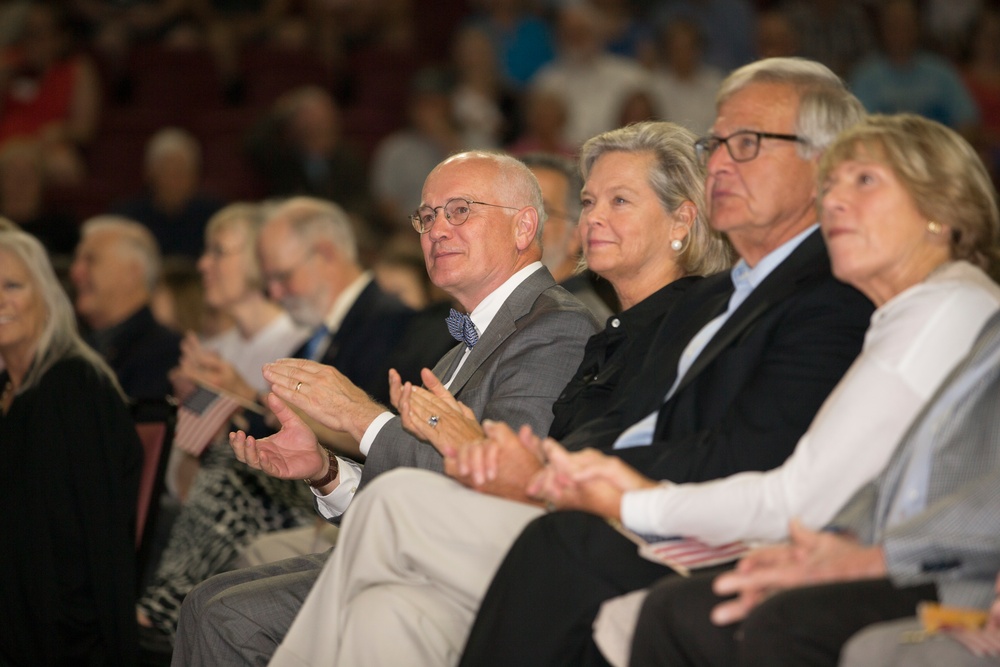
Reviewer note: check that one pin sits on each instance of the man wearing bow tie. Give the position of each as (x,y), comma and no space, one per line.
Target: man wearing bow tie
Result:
(522,337)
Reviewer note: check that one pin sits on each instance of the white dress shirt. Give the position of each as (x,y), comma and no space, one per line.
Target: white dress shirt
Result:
(913,342)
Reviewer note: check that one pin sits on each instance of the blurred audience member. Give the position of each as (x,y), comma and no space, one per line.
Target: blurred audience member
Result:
(561,183)
(948,23)
(113,26)
(905,78)
(837,33)
(545,117)
(521,40)
(403,159)
(49,91)
(594,84)
(178,301)
(682,84)
(174,207)
(726,25)
(70,482)
(309,261)
(400,271)
(227,505)
(299,149)
(228,26)
(982,76)
(23,186)
(624,34)
(481,102)
(776,36)
(115,271)
(638,107)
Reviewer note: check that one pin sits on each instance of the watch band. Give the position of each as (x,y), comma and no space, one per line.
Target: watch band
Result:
(331,473)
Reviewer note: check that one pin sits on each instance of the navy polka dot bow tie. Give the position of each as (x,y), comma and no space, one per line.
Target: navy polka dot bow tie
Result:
(461,328)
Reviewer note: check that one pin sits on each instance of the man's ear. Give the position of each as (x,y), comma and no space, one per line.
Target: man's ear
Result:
(525,227)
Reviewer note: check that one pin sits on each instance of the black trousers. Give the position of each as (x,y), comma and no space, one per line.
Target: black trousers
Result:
(803,626)
(543,600)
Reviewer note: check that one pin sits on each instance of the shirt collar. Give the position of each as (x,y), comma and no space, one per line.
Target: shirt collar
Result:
(747,278)
(487,309)
(345,301)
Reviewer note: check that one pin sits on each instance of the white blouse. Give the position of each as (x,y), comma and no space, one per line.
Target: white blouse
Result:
(913,342)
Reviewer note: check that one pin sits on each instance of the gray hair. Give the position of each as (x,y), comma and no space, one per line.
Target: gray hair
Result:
(313,219)
(60,338)
(172,140)
(515,185)
(134,240)
(249,218)
(826,106)
(676,177)
(567,168)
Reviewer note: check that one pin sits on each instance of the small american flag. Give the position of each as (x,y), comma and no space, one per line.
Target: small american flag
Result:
(200,417)
(683,554)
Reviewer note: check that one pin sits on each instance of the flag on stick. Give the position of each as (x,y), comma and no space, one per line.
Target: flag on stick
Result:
(203,414)
(683,554)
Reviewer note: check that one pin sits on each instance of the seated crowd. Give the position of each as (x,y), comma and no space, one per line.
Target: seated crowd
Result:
(773,338)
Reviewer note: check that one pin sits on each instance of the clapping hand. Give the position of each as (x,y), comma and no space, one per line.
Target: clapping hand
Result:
(586,480)
(291,453)
(433,415)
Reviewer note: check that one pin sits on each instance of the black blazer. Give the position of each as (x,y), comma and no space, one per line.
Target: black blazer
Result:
(141,352)
(754,389)
(362,346)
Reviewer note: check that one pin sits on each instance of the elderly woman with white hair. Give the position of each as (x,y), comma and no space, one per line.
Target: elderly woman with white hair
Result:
(70,482)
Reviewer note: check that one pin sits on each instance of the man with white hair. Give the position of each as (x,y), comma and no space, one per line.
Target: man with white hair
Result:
(309,261)
(480,225)
(174,207)
(114,272)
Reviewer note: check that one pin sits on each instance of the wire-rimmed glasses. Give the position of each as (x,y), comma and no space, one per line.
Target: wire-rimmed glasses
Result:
(456,212)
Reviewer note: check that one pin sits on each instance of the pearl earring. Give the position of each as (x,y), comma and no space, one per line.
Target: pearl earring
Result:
(933,227)
(677,244)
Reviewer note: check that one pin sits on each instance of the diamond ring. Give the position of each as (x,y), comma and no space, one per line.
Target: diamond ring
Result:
(433,420)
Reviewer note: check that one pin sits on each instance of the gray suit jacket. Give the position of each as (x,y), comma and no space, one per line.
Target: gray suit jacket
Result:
(955,541)
(514,373)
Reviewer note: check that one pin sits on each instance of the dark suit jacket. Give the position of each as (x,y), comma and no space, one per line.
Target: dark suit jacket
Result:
(756,386)
(141,351)
(362,346)
(514,374)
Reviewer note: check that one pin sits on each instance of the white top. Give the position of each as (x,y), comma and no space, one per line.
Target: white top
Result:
(912,343)
(687,102)
(278,339)
(594,92)
(335,503)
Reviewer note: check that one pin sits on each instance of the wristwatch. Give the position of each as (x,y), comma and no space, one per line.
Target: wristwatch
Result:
(331,473)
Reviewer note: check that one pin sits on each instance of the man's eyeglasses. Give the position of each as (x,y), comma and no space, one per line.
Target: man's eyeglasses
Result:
(743,146)
(282,278)
(456,212)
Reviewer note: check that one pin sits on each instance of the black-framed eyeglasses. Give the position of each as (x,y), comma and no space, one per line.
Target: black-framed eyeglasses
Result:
(743,146)
(456,212)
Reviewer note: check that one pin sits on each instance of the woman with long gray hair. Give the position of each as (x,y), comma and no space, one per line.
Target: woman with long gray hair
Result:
(70,479)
